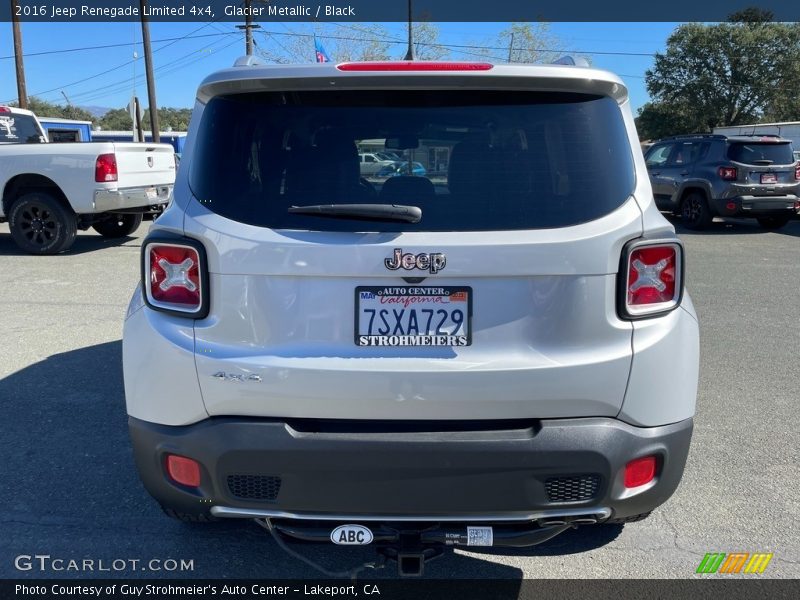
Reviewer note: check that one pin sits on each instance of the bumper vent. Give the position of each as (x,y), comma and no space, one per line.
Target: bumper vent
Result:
(572,489)
(254,487)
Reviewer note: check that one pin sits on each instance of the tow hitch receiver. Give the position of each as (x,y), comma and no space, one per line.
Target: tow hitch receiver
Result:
(412,544)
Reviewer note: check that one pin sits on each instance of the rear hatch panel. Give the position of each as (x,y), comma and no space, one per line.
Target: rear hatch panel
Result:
(530,211)
(765,168)
(546,341)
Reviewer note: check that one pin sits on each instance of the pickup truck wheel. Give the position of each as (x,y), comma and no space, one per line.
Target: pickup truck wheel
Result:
(772,222)
(39,224)
(117,226)
(695,213)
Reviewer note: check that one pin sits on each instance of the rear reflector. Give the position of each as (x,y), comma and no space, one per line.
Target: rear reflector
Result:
(409,65)
(174,277)
(105,168)
(640,471)
(652,273)
(183,470)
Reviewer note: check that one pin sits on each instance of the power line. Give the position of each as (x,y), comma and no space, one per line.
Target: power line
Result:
(457,48)
(393,40)
(105,46)
(104,91)
(129,62)
(335,37)
(359,39)
(122,84)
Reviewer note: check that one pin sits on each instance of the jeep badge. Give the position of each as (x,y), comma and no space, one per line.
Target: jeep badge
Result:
(434,262)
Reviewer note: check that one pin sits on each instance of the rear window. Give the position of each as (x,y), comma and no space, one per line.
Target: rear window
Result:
(470,160)
(19,129)
(768,153)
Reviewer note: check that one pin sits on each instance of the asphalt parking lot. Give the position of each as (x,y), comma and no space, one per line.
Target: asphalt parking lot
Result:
(70,490)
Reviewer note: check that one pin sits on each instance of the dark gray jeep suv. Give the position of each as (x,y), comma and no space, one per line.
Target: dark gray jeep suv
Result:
(701,176)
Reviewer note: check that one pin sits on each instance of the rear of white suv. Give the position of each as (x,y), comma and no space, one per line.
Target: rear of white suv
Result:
(503,343)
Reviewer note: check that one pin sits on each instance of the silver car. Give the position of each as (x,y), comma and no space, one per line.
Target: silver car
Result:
(485,358)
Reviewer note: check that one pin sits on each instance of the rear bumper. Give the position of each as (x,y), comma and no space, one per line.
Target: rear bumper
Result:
(755,206)
(398,471)
(112,200)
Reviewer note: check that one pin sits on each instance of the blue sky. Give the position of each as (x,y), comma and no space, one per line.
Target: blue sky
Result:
(181,64)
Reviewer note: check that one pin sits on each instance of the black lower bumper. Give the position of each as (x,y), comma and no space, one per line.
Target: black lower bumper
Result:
(756,206)
(414,471)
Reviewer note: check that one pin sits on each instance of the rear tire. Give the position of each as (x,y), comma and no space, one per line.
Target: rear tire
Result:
(118,225)
(188,518)
(772,223)
(40,224)
(695,213)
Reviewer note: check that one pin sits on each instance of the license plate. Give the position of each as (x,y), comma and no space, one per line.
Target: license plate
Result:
(424,315)
(769,178)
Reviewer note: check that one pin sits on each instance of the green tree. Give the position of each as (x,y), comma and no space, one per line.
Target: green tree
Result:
(528,43)
(117,119)
(175,118)
(657,120)
(520,42)
(726,73)
(426,42)
(368,41)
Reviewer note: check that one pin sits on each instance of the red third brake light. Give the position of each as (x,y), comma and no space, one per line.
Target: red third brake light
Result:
(410,65)
(653,278)
(173,278)
(640,471)
(727,173)
(105,168)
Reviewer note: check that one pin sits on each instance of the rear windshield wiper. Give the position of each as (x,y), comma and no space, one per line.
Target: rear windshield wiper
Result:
(365,212)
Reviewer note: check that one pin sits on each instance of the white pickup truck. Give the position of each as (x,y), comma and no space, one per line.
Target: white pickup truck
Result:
(49,191)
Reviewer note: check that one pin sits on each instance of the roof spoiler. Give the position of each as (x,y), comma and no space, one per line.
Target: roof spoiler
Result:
(572,61)
(248,61)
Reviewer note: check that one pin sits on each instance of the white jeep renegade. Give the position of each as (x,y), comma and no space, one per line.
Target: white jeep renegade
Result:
(484,355)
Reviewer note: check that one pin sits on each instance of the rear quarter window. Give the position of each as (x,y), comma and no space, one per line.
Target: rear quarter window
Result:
(19,129)
(470,160)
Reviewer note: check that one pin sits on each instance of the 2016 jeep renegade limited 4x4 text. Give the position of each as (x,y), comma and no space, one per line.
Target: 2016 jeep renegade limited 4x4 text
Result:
(484,355)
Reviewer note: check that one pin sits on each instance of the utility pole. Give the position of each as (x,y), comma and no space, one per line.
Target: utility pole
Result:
(248,27)
(137,119)
(511,47)
(22,93)
(410,51)
(151,84)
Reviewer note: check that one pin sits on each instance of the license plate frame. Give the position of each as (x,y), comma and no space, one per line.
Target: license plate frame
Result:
(769,178)
(414,291)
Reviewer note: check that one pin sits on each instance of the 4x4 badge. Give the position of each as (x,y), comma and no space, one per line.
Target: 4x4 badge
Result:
(433,262)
